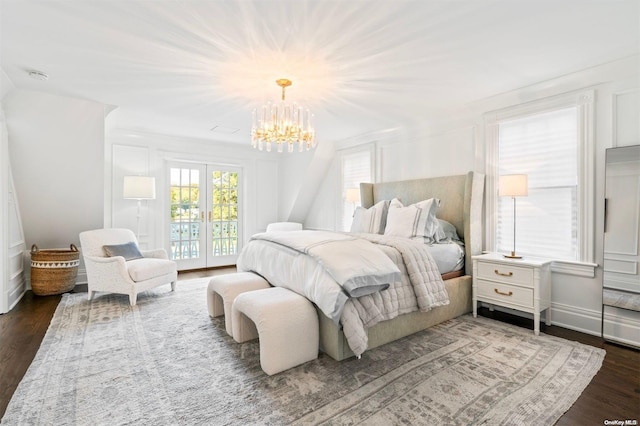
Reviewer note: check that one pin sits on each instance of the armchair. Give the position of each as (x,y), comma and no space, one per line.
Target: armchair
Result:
(114,274)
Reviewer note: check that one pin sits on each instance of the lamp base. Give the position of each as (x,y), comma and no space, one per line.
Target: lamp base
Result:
(513,255)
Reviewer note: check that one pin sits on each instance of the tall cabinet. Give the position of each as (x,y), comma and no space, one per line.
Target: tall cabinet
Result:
(621,277)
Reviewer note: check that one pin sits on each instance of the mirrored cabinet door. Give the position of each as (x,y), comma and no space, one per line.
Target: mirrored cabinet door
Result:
(621,277)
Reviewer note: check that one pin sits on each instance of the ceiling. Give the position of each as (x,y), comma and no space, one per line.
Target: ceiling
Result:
(185,67)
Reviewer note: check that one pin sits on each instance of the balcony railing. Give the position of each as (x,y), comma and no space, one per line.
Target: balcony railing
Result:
(185,239)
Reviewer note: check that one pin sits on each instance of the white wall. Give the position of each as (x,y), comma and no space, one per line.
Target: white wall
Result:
(428,152)
(132,153)
(323,212)
(455,144)
(301,174)
(56,147)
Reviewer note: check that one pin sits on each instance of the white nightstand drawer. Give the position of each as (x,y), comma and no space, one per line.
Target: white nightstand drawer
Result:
(505,273)
(523,284)
(505,292)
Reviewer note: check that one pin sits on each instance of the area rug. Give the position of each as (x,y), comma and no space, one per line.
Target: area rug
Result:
(165,362)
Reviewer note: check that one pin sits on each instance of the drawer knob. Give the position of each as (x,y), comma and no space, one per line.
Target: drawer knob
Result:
(504,274)
(502,293)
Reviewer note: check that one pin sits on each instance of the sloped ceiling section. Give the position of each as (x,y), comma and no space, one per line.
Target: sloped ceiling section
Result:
(184,67)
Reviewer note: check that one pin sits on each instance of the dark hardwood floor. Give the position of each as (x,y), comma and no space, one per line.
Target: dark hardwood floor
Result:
(613,394)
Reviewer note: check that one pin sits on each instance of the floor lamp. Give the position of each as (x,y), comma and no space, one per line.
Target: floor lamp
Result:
(513,186)
(139,188)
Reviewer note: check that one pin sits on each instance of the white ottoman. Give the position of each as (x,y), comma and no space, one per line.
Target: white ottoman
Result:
(285,322)
(284,226)
(223,289)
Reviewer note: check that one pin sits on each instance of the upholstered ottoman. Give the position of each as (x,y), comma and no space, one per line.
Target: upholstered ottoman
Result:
(223,289)
(285,322)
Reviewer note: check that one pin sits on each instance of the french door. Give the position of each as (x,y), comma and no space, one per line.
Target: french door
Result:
(204,226)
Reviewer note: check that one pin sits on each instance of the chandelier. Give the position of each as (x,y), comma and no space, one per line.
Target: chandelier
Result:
(282,124)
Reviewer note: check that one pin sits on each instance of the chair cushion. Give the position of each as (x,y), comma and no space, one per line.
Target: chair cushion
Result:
(128,250)
(148,268)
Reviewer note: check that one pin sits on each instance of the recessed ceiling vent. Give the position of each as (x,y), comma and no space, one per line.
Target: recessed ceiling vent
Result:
(223,129)
(38,75)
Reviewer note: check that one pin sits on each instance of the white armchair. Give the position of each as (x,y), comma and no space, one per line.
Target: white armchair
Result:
(114,274)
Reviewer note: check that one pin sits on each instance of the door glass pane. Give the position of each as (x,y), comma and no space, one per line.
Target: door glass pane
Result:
(185,213)
(224,195)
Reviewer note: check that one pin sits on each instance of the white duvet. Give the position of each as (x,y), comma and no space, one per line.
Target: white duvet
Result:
(292,266)
(354,263)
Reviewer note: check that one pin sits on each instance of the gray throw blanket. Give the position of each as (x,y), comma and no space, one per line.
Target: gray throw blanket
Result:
(421,287)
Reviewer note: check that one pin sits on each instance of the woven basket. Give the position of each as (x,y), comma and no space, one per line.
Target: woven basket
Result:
(54,271)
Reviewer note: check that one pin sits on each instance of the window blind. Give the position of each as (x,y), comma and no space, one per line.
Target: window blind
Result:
(543,146)
(356,168)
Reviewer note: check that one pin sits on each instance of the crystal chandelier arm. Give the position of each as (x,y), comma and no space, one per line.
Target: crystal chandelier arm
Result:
(282,124)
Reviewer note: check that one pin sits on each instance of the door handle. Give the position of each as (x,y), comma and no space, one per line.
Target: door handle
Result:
(502,293)
(504,274)
(210,215)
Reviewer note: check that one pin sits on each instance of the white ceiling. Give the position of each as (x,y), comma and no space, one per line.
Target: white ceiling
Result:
(183,67)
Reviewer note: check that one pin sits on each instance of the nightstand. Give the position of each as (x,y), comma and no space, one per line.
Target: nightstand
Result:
(520,284)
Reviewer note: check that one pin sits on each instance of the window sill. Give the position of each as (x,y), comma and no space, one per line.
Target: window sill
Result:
(580,269)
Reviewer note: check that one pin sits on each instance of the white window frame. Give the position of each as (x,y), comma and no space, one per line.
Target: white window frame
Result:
(584,102)
(370,148)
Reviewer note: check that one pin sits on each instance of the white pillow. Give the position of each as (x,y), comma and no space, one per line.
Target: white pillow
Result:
(446,232)
(417,220)
(371,220)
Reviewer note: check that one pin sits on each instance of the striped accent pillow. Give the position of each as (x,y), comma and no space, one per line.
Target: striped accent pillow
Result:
(415,221)
(371,220)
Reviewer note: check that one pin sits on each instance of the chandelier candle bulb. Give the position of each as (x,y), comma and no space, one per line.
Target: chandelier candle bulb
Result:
(285,124)
(253,128)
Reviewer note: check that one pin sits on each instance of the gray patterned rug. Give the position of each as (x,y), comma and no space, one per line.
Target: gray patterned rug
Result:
(165,362)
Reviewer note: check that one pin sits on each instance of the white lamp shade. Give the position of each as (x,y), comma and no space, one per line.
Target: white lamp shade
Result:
(513,186)
(353,195)
(139,188)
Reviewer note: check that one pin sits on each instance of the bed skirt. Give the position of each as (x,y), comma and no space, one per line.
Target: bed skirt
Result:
(334,344)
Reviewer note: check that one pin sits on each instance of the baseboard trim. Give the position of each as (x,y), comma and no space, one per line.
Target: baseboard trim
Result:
(82,277)
(571,317)
(586,321)
(622,328)
(18,296)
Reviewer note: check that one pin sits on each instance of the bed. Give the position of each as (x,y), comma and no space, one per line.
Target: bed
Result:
(461,205)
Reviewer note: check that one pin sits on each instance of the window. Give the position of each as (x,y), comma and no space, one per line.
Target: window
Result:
(355,167)
(204,215)
(550,142)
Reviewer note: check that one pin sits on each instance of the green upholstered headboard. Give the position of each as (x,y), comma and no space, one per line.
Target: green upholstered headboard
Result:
(461,199)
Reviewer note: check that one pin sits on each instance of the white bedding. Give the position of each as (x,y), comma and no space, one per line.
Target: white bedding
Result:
(448,256)
(419,288)
(356,264)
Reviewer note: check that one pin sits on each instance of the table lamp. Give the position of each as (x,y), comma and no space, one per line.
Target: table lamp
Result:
(513,186)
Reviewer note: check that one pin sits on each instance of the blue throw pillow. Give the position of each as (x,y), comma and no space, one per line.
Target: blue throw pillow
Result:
(129,251)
